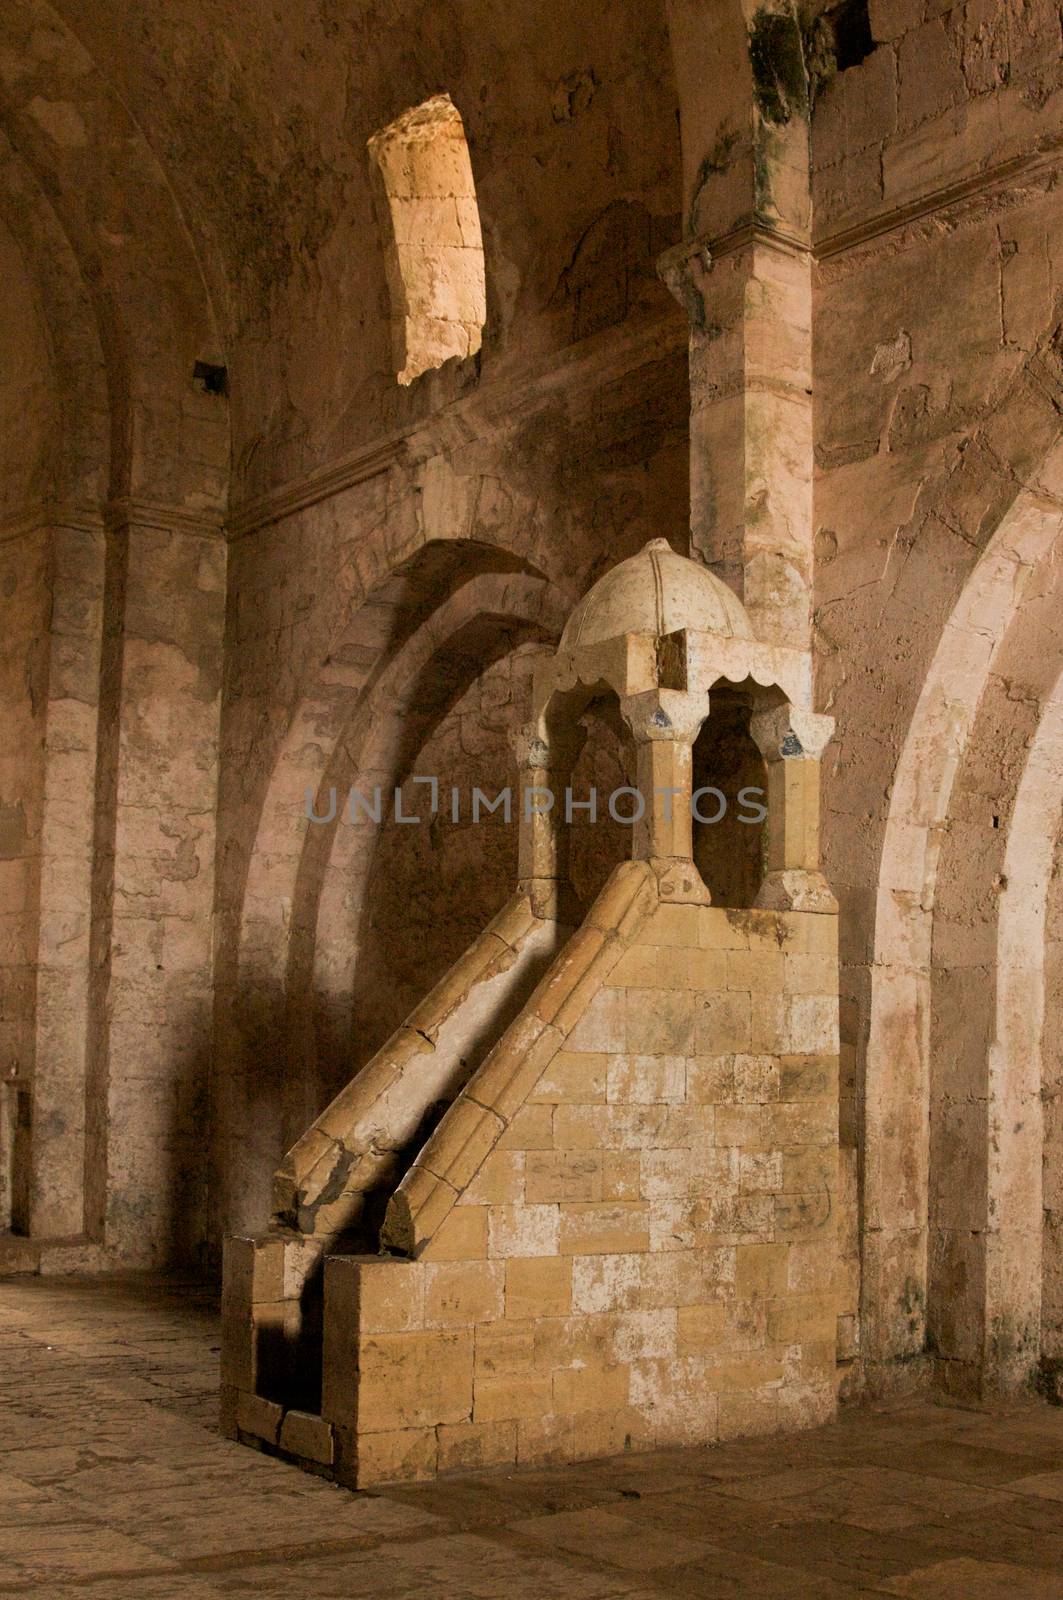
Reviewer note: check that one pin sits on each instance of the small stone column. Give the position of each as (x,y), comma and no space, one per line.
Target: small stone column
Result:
(664,724)
(64,950)
(791,742)
(545,759)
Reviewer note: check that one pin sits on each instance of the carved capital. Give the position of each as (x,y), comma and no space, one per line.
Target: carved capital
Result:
(684,269)
(665,714)
(787,732)
(796,889)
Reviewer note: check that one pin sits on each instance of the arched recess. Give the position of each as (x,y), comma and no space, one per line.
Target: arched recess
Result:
(895,744)
(896,1135)
(1024,1147)
(389,578)
(392,593)
(731,777)
(483,622)
(289,971)
(912,1019)
(596,842)
(987,988)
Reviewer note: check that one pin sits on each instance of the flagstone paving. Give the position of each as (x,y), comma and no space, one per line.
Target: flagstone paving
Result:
(115,1485)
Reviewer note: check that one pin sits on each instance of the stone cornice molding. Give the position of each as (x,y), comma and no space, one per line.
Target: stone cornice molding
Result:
(132,512)
(46,515)
(704,249)
(1039,168)
(358,466)
(114,516)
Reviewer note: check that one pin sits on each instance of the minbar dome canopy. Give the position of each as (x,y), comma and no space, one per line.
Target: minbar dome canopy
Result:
(656,592)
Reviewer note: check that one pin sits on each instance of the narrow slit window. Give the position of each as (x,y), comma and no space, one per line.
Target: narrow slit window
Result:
(435,257)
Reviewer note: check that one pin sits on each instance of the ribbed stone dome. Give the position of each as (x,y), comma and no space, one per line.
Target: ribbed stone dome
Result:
(657,592)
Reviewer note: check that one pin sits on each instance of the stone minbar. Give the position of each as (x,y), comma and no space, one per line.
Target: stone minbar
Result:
(583,1201)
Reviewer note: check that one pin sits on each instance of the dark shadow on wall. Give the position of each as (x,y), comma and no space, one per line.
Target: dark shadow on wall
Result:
(605,765)
(728,852)
(432,886)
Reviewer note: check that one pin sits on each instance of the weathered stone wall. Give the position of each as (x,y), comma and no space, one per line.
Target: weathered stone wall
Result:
(28,419)
(262,118)
(946,92)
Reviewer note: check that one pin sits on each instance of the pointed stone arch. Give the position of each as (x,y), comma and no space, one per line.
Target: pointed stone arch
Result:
(1015,515)
(277,960)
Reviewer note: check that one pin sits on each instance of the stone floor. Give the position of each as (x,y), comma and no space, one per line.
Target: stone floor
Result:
(114,1485)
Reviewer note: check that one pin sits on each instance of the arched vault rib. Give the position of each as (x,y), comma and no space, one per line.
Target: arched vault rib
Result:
(987,964)
(896,1096)
(169,442)
(81,454)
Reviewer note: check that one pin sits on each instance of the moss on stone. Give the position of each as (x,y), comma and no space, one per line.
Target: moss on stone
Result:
(780,78)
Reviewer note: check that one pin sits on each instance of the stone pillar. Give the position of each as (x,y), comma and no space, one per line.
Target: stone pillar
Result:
(52,578)
(750,305)
(25,587)
(154,882)
(545,759)
(744,276)
(791,742)
(664,724)
(57,1180)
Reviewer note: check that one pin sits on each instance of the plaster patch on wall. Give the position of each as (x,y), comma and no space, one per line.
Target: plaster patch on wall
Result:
(892,358)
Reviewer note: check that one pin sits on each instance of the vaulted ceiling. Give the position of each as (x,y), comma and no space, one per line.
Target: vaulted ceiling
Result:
(190,181)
